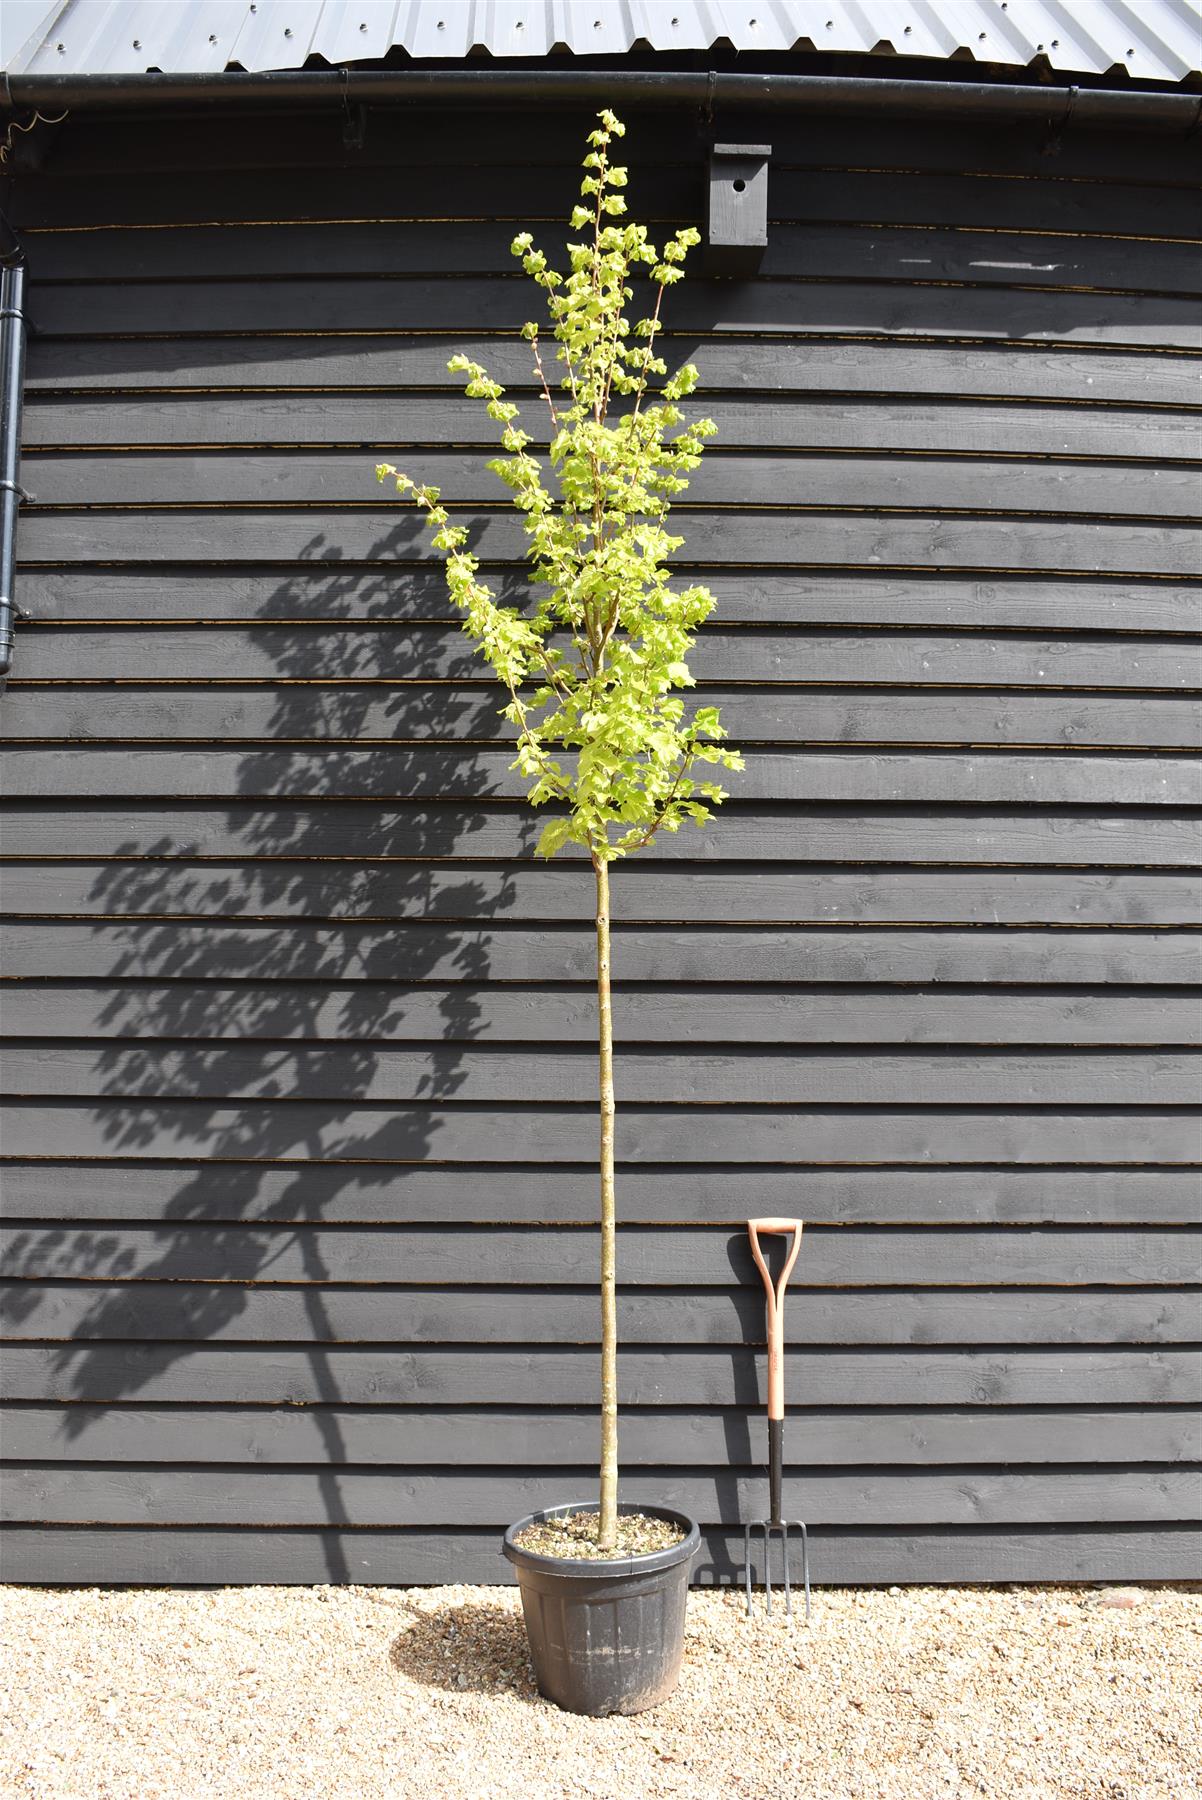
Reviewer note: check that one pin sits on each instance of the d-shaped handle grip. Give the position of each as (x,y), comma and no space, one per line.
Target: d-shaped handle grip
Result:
(774,1302)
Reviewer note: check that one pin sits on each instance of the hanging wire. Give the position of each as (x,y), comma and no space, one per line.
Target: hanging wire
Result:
(37,118)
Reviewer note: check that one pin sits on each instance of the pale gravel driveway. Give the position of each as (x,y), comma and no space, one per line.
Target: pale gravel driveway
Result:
(424,1694)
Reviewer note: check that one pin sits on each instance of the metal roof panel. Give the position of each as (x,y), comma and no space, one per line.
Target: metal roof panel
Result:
(1156,40)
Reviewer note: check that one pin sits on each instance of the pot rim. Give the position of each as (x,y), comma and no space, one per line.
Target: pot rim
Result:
(593,1568)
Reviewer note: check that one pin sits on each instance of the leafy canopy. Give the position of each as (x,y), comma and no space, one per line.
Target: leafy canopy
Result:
(594,666)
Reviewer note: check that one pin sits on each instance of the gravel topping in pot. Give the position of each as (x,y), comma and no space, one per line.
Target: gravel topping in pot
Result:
(575,1537)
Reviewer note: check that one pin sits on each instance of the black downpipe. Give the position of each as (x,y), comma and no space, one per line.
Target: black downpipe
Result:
(12,390)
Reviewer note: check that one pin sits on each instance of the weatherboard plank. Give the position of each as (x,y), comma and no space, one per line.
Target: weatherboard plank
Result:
(327,1013)
(250,1374)
(330,1314)
(396,362)
(183,1249)
(147,949)
(416,1436)
(88,1193)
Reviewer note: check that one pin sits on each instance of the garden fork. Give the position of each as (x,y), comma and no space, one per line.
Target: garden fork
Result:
(775,1524)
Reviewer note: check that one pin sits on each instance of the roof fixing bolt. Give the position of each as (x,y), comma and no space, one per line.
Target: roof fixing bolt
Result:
(212,38)
(906,30)
(61,48)
(981,37)
(287,31)
(137,43)
(1055,43)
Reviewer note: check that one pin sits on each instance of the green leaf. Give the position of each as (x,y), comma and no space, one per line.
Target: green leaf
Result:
(594,660)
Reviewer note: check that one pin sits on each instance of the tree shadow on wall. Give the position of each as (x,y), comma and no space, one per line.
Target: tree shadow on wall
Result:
(258,972)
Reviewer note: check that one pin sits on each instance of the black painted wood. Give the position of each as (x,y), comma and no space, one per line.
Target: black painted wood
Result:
(184,1249)
(388,1132)
(330,1013)
(287,369)
(420,772)
(331,1314)
(364,651)
(391,538)
(566,1376)
(414,713)
(754,423)
(663,192)
(99,1192)
(435,834)
(780,598)
(300,1149)
(708,1075)
(924,255)
(670,1437)
(186,1556)
(89,1495)
(143,949)
(403,137)
(648,893)
(929,483)
(891,304)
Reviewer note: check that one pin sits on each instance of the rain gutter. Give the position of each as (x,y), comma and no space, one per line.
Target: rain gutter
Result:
(979,102)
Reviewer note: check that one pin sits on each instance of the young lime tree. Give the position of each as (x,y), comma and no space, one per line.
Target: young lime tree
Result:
(594,665)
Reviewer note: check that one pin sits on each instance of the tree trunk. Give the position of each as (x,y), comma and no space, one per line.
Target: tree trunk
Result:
(608,1525)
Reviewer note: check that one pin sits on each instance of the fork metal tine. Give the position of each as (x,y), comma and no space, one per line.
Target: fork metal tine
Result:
(783,1527)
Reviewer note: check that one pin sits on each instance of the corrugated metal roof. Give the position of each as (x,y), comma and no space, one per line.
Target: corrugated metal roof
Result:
(1153,40)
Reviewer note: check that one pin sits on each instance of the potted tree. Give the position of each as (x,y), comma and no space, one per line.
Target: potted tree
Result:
(593,668)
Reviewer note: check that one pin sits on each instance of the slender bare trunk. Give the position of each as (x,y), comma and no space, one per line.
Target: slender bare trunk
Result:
(608,1527)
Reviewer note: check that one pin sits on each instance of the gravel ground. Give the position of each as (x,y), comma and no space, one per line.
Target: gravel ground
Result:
(353,1693)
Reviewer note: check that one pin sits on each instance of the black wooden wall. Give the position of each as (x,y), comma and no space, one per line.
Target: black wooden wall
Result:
(300,1136)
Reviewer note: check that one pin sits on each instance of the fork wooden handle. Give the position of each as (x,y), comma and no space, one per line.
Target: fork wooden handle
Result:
(775,1299)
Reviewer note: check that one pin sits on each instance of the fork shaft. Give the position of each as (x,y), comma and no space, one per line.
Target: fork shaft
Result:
(776,1450)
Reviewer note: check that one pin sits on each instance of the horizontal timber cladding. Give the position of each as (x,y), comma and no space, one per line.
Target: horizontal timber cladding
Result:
(960,538)
(298,1116)
(361,1193)
(667,1436)
(435,834)
(87,1495)
(874,300)
(754,597)
(750,1074)
(279,376)
(419,714)
(915,484)
(190,1555)
(406,773)
(366,655)
(344,1314)
(814,893)
(64,468)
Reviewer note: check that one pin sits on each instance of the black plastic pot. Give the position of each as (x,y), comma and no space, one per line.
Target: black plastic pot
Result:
(605,1637)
